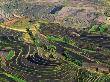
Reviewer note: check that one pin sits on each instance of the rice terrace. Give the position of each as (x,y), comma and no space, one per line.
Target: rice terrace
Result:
(54,40)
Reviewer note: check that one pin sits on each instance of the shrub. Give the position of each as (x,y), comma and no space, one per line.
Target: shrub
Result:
(66,39)
(93,29)
(51,48)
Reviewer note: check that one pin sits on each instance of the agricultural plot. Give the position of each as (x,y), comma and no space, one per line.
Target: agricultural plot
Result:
(54,41)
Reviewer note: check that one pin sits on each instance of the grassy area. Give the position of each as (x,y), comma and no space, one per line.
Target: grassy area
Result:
(61,39)
(27,38)
(54,38)
(3,80)
(87,50)
(15,77)
(99,28)
(21,24)
(10,55)
(93,29)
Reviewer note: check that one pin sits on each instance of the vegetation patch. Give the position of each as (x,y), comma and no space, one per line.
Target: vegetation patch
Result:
(15,77)
(10,55)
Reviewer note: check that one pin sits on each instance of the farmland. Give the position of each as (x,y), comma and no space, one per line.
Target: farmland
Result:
(73,48)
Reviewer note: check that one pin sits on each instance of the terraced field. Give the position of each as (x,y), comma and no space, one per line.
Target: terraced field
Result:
(54,41)
(59,61)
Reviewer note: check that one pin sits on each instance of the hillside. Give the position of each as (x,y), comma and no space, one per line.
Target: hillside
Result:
(54,41)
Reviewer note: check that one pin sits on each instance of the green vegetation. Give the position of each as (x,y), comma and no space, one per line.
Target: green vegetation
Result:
(51,48)
(87,50)
(66,39)
(15,77)
(1,23)
(52,38)
(70,58)
(93,29)
(99,28)
(103,28)
(75,51)
(0,62)
(10,55)
(21,24)
(35,39)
